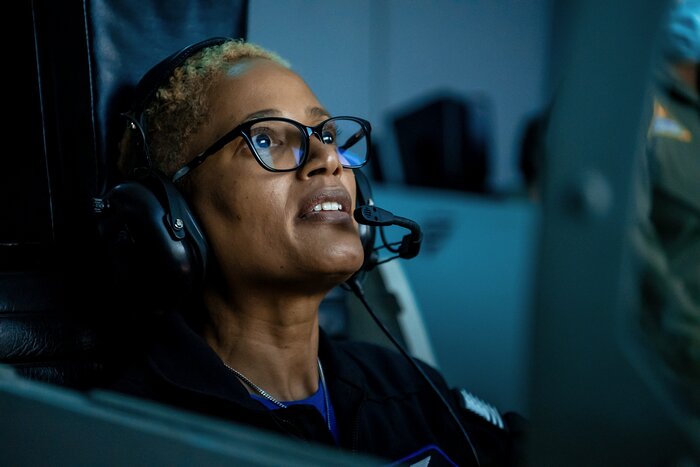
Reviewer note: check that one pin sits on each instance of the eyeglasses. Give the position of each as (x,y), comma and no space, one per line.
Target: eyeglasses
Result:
(282,145)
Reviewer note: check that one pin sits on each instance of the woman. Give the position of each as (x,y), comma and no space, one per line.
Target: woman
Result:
(268,176)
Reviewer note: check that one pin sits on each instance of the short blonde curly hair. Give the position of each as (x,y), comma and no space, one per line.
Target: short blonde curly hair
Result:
(180,106)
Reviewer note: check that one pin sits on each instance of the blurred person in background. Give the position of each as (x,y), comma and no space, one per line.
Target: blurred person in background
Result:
(670,233)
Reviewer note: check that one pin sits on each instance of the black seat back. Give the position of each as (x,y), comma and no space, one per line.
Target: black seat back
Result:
(85,57)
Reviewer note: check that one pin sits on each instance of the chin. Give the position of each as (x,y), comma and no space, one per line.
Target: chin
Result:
(343,273)
(341,269)
(321,281)
(352,263)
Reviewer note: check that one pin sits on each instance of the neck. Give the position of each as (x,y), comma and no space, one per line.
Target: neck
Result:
(274,343)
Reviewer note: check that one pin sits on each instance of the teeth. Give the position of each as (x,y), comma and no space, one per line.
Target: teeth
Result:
(328,206)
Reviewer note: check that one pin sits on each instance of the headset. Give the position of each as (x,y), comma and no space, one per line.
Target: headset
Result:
(151,233)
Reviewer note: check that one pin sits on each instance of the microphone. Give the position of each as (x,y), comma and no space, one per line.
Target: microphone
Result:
(372,215)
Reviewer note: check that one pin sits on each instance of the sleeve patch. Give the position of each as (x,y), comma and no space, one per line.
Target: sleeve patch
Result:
(470,402)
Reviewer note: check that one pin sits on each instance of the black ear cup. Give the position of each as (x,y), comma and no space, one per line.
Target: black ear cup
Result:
(156,247)
(158,250)
(367,233)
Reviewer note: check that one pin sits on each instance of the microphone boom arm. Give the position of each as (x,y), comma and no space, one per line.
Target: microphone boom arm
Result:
(374,216)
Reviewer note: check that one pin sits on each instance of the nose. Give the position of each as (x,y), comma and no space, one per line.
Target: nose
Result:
(322,159)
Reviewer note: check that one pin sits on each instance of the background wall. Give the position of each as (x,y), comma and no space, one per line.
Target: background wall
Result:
(375,58)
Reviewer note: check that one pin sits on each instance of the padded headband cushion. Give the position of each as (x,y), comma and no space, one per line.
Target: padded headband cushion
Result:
(157,76)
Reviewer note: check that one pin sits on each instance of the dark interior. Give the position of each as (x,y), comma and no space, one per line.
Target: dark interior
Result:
(59,322)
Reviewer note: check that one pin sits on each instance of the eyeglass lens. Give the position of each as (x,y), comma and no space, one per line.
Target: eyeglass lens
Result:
(281,145)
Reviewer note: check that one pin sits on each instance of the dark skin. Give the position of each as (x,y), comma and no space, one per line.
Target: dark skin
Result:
(264,321)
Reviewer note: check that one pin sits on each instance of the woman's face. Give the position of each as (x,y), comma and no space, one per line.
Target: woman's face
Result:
(262,225)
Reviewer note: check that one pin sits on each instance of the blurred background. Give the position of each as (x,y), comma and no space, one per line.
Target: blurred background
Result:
(385,60)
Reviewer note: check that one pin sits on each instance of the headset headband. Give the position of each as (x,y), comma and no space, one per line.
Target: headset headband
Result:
(149,84)
(156,76)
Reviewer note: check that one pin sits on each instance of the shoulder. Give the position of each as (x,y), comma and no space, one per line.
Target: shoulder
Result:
(388,375)
(385,370)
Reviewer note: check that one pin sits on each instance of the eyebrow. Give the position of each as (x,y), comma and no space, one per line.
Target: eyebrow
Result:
(263,113)
(317,112)
(314,112)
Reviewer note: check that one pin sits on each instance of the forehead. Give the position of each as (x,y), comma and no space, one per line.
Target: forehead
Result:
(252,85)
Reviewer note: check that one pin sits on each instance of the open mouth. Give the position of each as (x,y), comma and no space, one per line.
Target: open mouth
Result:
(327,204)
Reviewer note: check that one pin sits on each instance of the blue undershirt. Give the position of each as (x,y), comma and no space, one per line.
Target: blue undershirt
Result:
(316,400)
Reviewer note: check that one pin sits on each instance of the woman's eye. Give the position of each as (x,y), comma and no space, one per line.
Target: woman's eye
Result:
(328,137)
(262,141)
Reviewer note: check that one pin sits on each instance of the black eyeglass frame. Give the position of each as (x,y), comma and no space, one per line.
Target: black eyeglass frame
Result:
(244,130)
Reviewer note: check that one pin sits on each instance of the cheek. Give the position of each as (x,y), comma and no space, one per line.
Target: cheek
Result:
(231,197)
(220,207)
(252,210)
(241,227)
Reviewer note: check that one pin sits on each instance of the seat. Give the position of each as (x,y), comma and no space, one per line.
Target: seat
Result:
(56,317)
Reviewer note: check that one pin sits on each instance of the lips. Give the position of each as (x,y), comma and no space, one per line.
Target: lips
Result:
(336,199)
